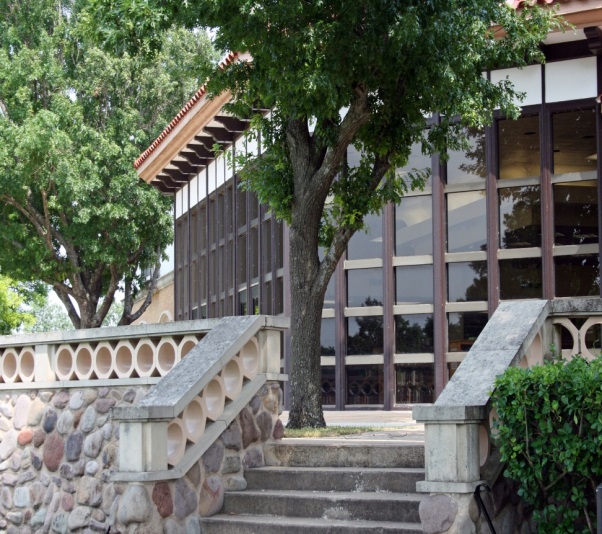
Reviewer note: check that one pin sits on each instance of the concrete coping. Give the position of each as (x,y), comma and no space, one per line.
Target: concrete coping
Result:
(187,379)
(431,413)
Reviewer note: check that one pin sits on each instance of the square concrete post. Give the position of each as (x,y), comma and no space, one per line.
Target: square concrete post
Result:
(43,371)
(142,446)
(269,351)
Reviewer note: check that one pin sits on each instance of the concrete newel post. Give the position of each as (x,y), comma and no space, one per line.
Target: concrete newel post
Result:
(269,350)
(452,449)
(143,446)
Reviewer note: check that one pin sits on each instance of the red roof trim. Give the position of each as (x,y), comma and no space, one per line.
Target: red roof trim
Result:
(229,59)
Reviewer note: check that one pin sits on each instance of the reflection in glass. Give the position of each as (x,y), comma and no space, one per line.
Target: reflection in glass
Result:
(463,329)
(414,383)
(519,148)
(365,384)
(466,222)
(467,281)
(416,162)
(364,287)
(574,141)
(413,333)
(365,335)
(576,213)
(520,279)
(327,337)
(577,276)
(468,166)
(242,302)
(414,284)
(329,295)
(414,226)
(520,217)
(367,243)
(328,385)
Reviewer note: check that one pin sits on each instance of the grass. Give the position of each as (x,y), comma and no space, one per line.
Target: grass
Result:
(331,431)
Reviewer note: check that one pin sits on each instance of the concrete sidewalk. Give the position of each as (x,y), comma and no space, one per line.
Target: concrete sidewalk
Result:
(396,425)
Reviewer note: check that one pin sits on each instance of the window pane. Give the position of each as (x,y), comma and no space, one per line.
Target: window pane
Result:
(414,284)
(365,384)
(520,279)
(241,260)
(576,213)
(577,276)
(414,226)
(413,333)
(519,148)
(467,281)
(369,243)
(468,166)
(242,302)
(328,385)
(414,383)
(463,329)
(327,337)
(364,287)
(520,217)
(365,335)
(329,295)
(466,222)
(574,141)
(417,161)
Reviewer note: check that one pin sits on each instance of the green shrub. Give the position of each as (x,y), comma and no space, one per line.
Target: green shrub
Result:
(550,436)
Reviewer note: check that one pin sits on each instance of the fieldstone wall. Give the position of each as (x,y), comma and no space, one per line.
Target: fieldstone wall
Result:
(455,513)
(59,448)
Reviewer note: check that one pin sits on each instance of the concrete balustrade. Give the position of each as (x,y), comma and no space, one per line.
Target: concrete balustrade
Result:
(167,352)
(249,358)
(83,361)
(194,419)
(145,359)
(10,366)
(176,441)
(214,398)
(187,344)
(232,378)
(65,362)
(102,361)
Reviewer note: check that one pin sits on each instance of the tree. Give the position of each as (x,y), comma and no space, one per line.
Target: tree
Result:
(15,299)
(72,120)
(377,75)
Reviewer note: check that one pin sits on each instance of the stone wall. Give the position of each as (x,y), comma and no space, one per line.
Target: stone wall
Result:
(456,513)
(59,448)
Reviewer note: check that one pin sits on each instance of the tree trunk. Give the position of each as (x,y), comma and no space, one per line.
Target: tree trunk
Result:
(307,299)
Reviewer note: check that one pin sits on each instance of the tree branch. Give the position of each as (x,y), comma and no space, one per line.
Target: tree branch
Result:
(101,312)
(71,311)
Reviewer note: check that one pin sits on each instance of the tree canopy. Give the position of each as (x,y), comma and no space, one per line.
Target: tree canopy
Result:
(380,75)
(16,301)
(73,118)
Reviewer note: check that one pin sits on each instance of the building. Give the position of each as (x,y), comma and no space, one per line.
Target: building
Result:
(515,217)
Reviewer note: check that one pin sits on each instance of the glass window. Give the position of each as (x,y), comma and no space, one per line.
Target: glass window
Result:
(255,300)
(414,383)
(242,302)
(414,226)
(327,337)
(365,384)
(519,148)
(254,252)
(365,335)
(520,217)
(466,222)
(468,166)
(520,279)
(364,287)
(241,207)
(576,213)
(574,141)
(414,284)
(241,260)
(463,329)
(467,281)
(417,161)
(577,276)
(368,243)
(328,385)
(413,333)
(330,293)
(279,296)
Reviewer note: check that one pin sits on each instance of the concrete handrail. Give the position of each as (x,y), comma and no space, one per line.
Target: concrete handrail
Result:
(186,411)
(459,453)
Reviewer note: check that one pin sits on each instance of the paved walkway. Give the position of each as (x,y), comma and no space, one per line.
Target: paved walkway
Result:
(396,425)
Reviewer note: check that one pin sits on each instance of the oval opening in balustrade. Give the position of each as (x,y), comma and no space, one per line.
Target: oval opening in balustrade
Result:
(145,358)
(166,355)
(10,367)
(124,359)
(232,377)
(103,360)
(83,361)
(26,365)
(176,442)
(194,419)
(64,362)
(249,358)
(484,445)
(214,398)
(186,345)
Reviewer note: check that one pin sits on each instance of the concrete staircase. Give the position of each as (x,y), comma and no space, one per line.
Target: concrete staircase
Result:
(330,486)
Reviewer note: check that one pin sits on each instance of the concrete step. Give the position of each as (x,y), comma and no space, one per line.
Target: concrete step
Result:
(355,479)
(241,524)
(342,453)
(390,507)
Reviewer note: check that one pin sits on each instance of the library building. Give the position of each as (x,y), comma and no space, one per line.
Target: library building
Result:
(514,217)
